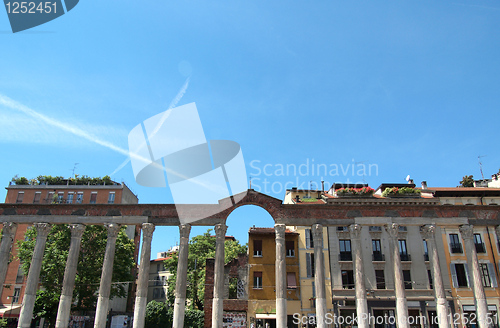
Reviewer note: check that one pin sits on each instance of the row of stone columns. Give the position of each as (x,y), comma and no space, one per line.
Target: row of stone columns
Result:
(63,313)
(428,231)
(43,229)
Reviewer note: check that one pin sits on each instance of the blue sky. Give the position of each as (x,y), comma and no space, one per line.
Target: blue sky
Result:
(409,87)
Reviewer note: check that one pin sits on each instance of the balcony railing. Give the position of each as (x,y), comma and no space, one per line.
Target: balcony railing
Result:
(345,256)
(480,248)
(405,257)
(456,248)
(378,257)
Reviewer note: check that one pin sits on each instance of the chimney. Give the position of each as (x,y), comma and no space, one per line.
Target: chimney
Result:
(322,186)
(410,181)
(297,198)
(424,184)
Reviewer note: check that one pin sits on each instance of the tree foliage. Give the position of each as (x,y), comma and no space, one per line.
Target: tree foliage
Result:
(160,315)
(467,181)
(89,267)
(201,248)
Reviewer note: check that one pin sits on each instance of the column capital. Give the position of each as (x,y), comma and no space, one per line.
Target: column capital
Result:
(113,229)
(42,229)
(280,228)
(497,230)
(428,231)
(148,229)
(355,230)
(317,230)
(393,230)
(220,230)
(184,230)
(467,231)
(76,230)
(8,228)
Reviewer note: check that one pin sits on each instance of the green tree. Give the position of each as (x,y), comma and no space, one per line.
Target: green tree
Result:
(467,181)
(158,315)
(201,248)
(88,270)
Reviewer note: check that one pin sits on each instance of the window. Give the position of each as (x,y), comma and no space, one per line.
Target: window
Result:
(380,279)
(455,245)
(347,279)
(38,196)
(429,276)
(488,275)
(79,198)
(257,280)
(377,250)
(478,242)
(407,279)
(50,197)
(309,239)
(60,197)
(158,293)
(403,229)
(342,228)
(426,251)
(290,248)
(93,198)
(291,281)
(20,196)
(15,296)
(403,250)
(310,264)
(70,198)
(459,275)
(375,229)
(345,250)
(111,198)
(257,247)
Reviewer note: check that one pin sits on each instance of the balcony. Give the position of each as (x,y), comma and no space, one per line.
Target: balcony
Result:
(378,257)
(480,248)
(405,257)
(456,248)
(345,256)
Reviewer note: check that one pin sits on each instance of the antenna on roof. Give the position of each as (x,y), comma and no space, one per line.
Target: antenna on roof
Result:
(407,178)
(481,165)
(74,168)
(250,182)
(364,173)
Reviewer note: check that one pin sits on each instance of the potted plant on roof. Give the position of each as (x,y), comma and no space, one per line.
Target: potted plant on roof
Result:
(355,192)
(404,192)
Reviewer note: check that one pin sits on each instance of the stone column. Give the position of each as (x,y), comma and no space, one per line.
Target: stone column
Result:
(280,276)
(107,273)
(399,287)
(42,231)
(181,282)
(359,276)
(319,275)
(217,307)
(429,233)
(467,232)
(8,235)
(141,298)
(64,309)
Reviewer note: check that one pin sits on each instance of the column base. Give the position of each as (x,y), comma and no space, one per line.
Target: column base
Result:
(362,312)
(442,313)
(402,313)
(101,313)
(281,313)
(320,312)
(63,311)
(140,311)
(179,311)
(217,310)
(26,311)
